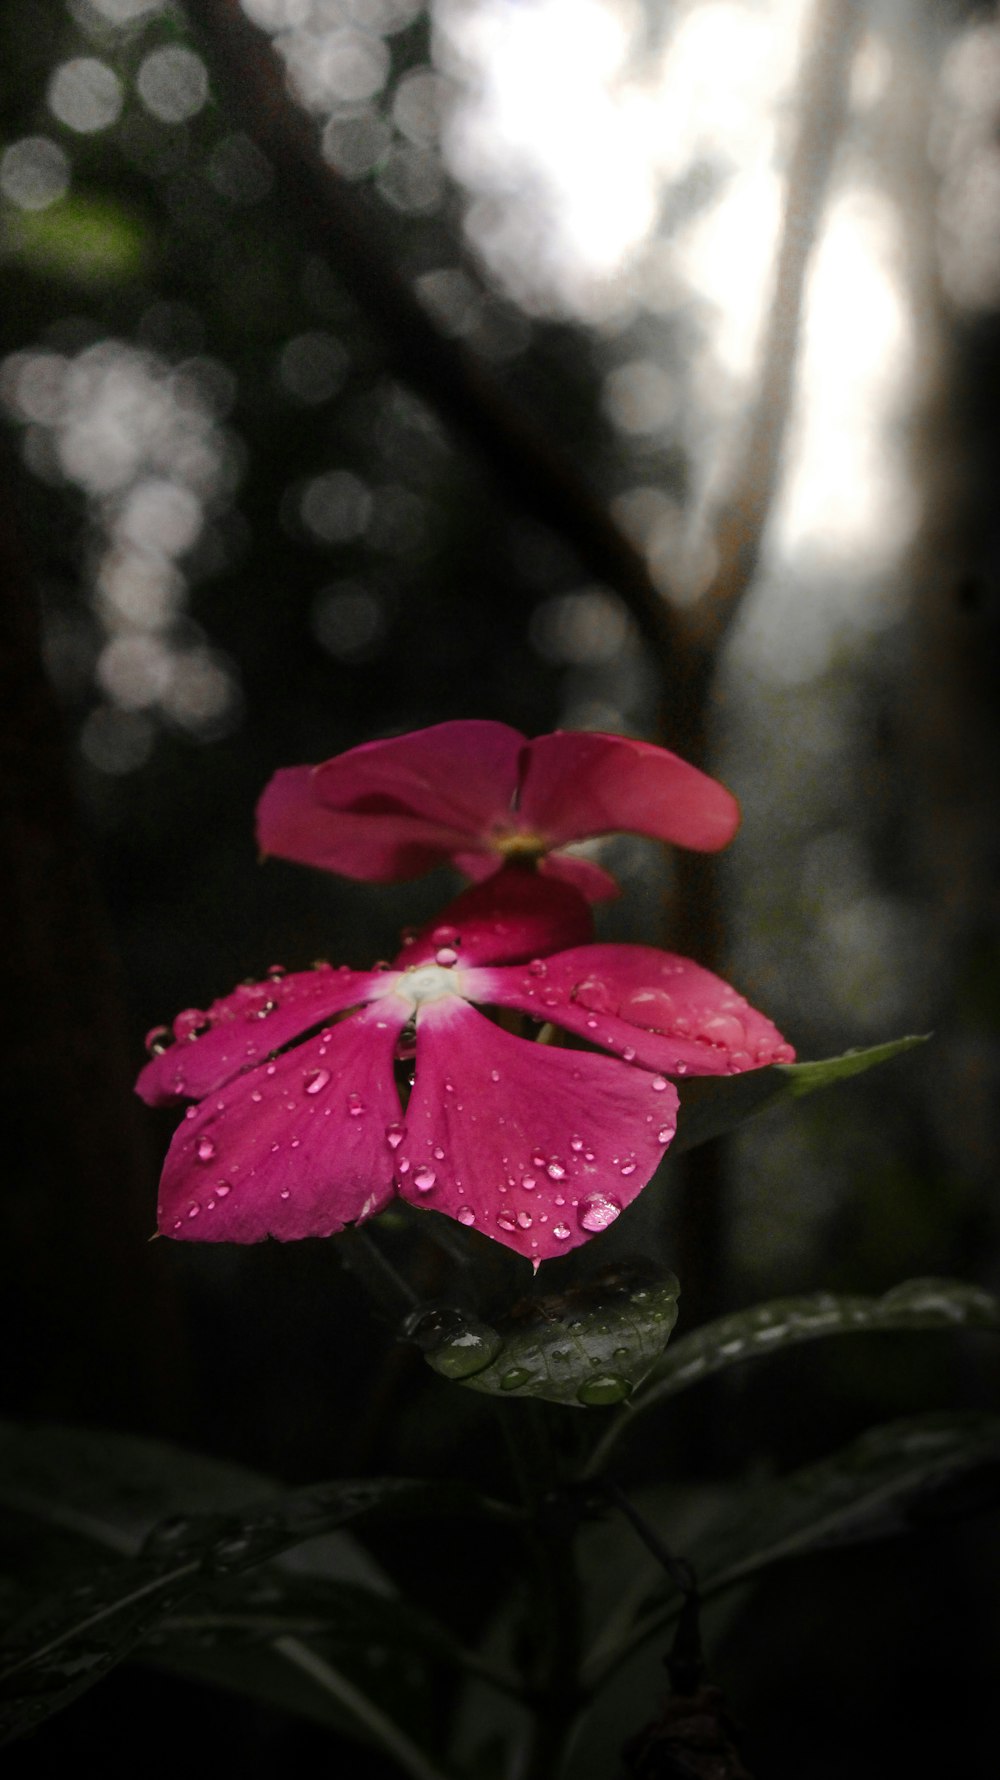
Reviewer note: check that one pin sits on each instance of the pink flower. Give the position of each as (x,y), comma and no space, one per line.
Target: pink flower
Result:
(478,793)
(300,1128)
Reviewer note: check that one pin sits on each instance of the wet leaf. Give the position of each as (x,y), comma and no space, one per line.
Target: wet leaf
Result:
(784,1322)
(69,1641)
(724,1104)
(589,1346)
(887,1483)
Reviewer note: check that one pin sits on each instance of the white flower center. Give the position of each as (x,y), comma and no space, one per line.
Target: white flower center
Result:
(428,983)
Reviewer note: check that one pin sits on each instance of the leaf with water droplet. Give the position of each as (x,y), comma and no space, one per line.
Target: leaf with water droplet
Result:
(589,1346)
(719,1104)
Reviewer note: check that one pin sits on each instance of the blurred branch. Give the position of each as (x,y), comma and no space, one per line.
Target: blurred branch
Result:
(821,109)
(328,212)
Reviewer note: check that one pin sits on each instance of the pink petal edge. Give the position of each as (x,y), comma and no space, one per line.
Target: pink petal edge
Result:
(376,847)
(580,784)
(536,1147)
(299,1147)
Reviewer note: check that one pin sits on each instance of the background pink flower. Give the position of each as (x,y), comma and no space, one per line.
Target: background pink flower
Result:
(478,793)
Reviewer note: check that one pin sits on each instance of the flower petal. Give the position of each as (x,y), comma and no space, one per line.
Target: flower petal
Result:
(460,775)
(537,1147)
(652,1008)
(592,881)
(242,1029)
(580,784)
(299,1147)
(381,848)
(512,915)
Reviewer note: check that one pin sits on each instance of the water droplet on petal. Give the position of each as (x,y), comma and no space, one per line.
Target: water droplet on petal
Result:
(628,1167)
(525,1220)
(315,1080)
(445,936)
(285,1193)
(256,1096)
(424,1178)
(658,1083)
(222,1188)
(394,1135)
(562,1231)
(576,1143)
(355,1105)
(206,1149)
(465,1215)
(628,1054)
(725,1030)
(276,972)
(665,1133)
(606,1387)
(594,993)
(191,1023)
(157,1040)
(494,1075)
(555,1169)
(193,1210)
(538,967)
(528,1182)
(403,1166)
(506,1220)
(438,1153)
(597,1211)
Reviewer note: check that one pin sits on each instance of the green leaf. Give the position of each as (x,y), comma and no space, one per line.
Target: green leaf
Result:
(883,1484)
(588,1346)
(719,1105)
(74,1637)
(784,1322)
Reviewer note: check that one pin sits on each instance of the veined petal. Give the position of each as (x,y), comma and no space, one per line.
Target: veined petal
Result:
(299,1147)
(460,775)
(512,915)
(652,1008)
(380,847)
(537,1147)
(580,784)
(242,1029)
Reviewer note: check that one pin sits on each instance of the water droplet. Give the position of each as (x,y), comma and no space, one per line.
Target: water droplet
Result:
(285,1193)
(605,1387)
(515,1378)
(494,1075)
(555,1169)
(438,1153)
(591,1022)
(266,1007)
(355,1106)
(524,1219)
(576,1143)
(665,1133)
(594,993)
(222,1189)
(628,1054)
(658,1083)
(465,1215)
(538,967)
(276,972)
(206,1149)
(506,1220)
(446,955)
(562,1231)
(445,936)
(725,1030)
(158,1038)
(551,998)
(193,1210)
(256,1096)
(628,1167)
(191,1023)
(403,1166)
(190,1112)
(597,1211)
(528,1182)
(424,1178)
(394,1135)
(315,1080)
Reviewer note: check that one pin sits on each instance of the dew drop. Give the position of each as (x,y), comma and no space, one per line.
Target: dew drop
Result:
(506,1220)
(528,1182)
(538,967)
(315,1080)
(193,1210)
(665,1133)
(576,1143)
(445,936)
(597,1211)
(652,1008)
(726,1030)
(355,1105)
(446,955)
(276,972)
(594,993)
(285,1193)
(402,1166)
(222,1189)
(465,1215)
(591,1022)
(206,1150)
(555,1169)
(525,1220)
(562,1231)
(438,1153)
(494,1075)
(424,1178)
(515,1378)
(658,1083)
(256,1096)
(628,1054)
(157,1040)
(606,1387)
(628,1167)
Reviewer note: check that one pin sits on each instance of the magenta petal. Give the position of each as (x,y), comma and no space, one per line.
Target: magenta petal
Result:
(652,1008)
(378,847)
(537,1147)
(578,784)
(242,1029)
(461,776)
(591,880)
(299,1147)
(514,914)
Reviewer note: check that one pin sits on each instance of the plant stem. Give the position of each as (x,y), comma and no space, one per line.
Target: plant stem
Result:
(388,1735)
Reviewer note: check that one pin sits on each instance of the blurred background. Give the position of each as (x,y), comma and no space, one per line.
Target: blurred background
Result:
(622,364)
